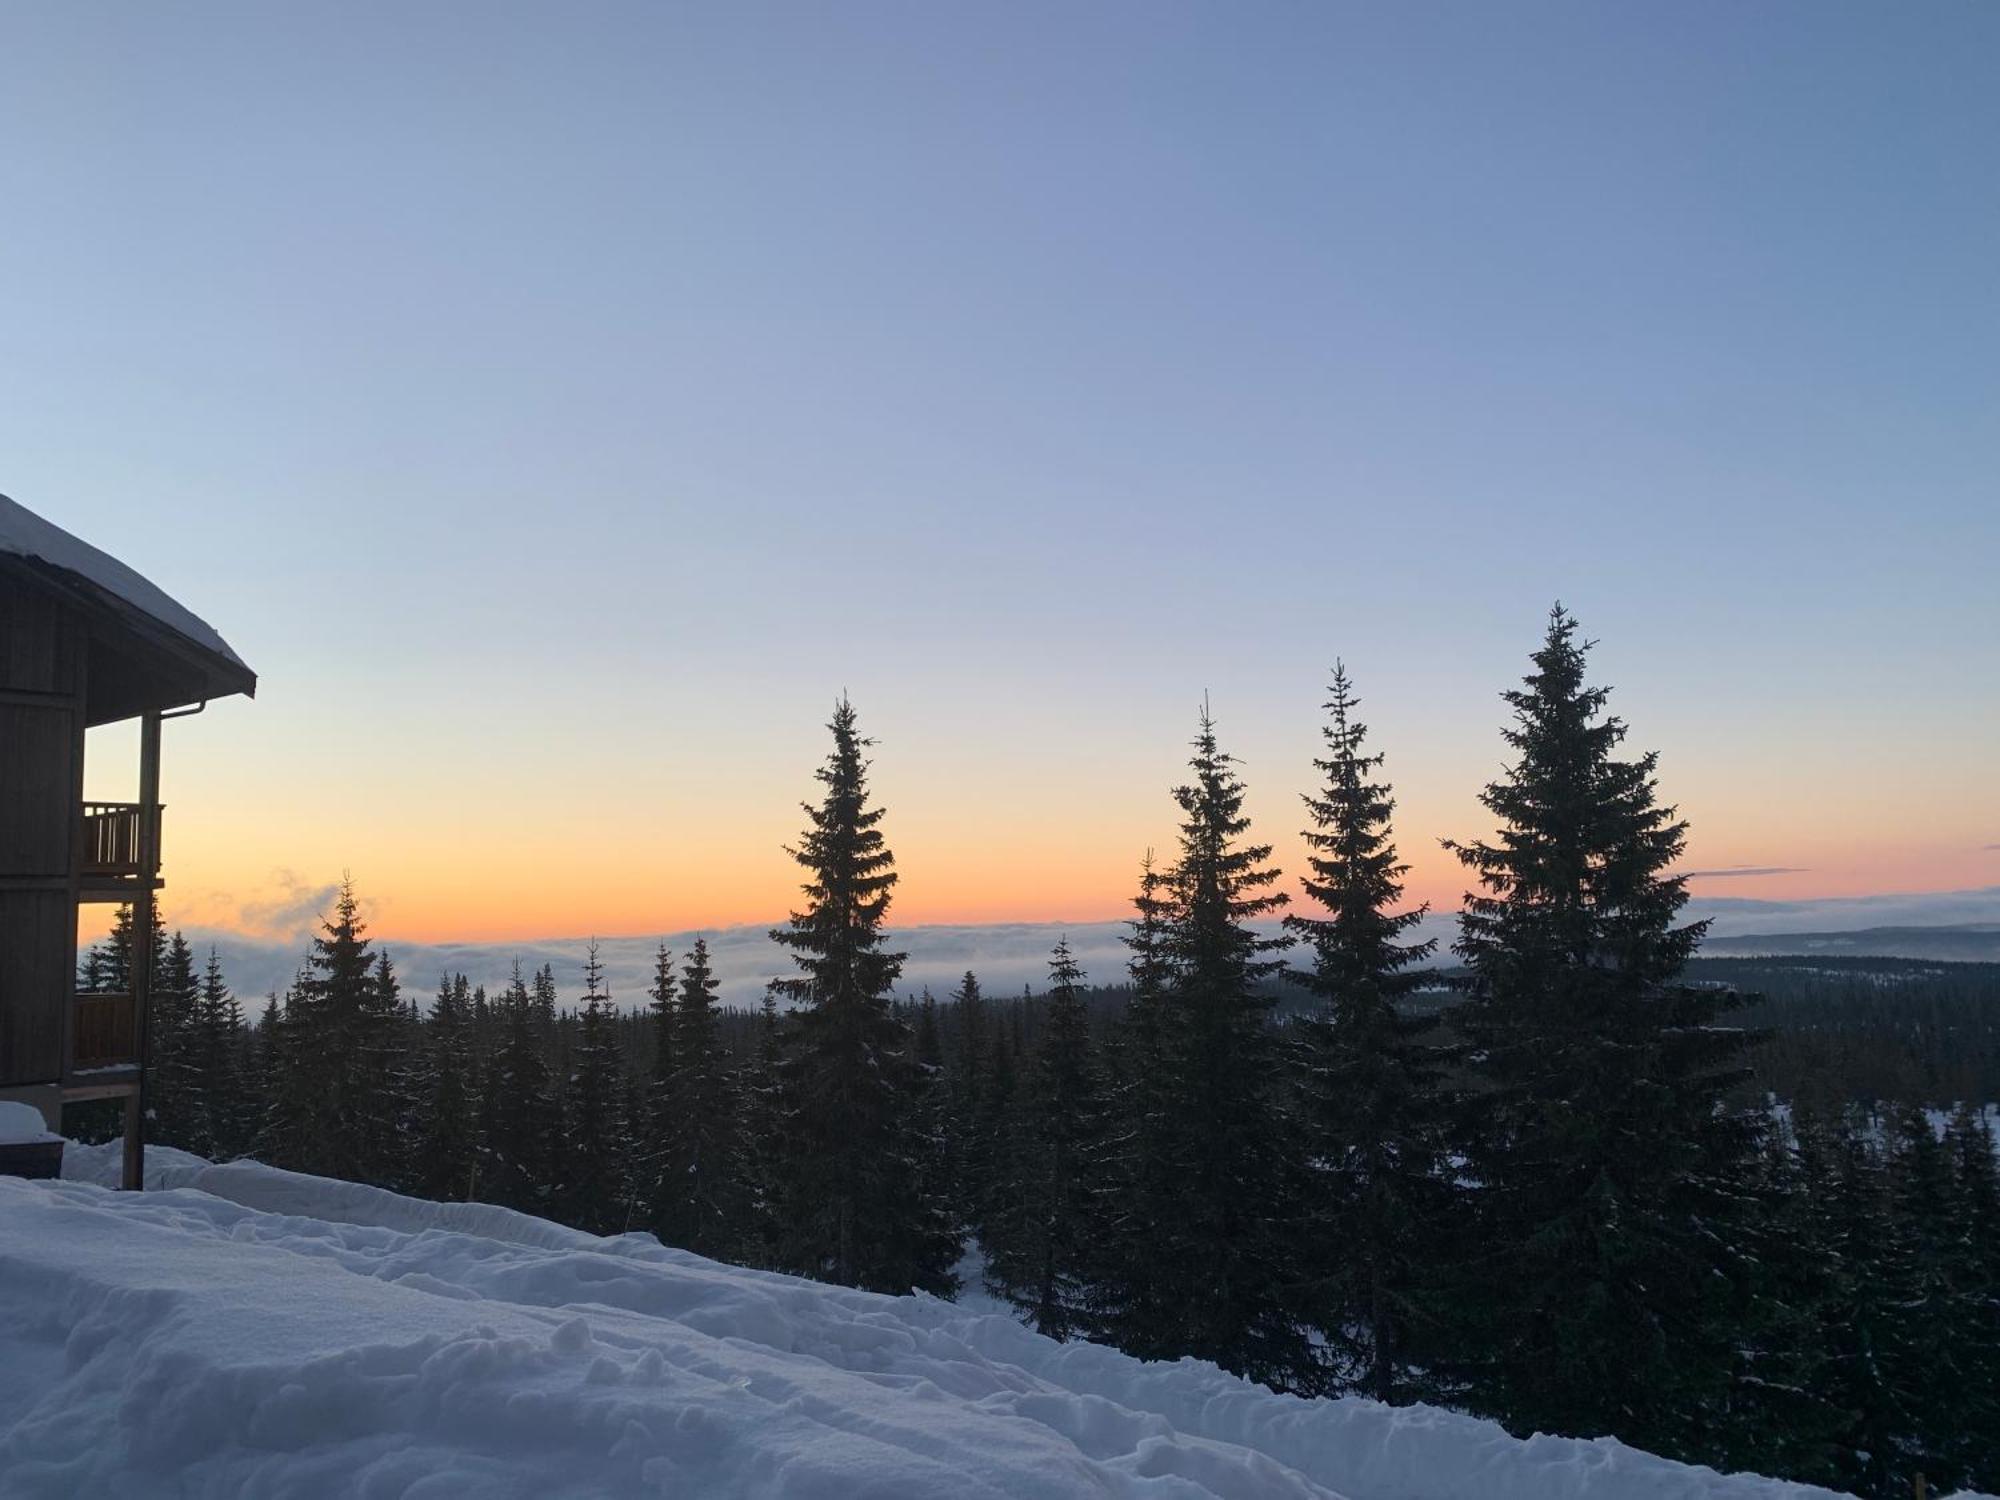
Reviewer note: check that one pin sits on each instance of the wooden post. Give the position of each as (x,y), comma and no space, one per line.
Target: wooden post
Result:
(143,902)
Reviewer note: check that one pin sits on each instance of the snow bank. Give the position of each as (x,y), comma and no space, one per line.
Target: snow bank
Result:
(22,1125)
(245,1331)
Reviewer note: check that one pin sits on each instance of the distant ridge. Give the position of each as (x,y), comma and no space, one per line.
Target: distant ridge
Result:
(1963,942)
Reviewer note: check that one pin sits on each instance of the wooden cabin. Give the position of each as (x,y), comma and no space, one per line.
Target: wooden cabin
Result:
(84,641)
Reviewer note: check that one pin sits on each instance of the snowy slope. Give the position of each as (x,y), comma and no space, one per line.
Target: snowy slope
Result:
(245,1331)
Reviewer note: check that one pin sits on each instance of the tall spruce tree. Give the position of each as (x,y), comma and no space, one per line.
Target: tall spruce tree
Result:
(853,1202)
(1371,1118)
(591,1193)
(1039,1254)
(704,1195)
(1613,1172)
(1215,1273)
(653,1130)
(338,1092)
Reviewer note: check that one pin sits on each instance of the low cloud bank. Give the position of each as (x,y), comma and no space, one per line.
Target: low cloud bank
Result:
(1004,955)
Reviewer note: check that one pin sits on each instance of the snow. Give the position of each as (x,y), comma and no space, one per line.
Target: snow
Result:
(22,1125)
(25,534)
(239,1330)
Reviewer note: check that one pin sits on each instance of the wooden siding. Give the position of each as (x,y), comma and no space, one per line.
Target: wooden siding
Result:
(37,980)
(37,817)
(41,642)
(43,661)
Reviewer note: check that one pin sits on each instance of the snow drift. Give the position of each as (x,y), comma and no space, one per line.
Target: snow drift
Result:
(242,1331)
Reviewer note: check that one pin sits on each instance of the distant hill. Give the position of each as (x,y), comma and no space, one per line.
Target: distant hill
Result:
(1967,942)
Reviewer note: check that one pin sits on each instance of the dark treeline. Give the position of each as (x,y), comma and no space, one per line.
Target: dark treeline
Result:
(1562,1199)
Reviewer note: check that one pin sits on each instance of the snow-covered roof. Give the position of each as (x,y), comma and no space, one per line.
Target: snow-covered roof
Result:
(26,535)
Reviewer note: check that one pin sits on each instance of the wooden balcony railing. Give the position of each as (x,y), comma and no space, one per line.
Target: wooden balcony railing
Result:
(107,1031)
(111,838)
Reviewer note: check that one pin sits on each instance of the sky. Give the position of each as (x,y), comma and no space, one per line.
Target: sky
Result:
(560,407)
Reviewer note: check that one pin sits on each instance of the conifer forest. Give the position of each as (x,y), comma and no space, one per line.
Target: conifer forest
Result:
(1564,1172)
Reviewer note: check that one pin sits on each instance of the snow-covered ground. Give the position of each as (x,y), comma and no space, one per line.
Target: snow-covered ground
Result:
(241,1331)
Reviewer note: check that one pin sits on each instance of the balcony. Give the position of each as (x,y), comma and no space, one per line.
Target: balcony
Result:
(106,1034)
(112,857)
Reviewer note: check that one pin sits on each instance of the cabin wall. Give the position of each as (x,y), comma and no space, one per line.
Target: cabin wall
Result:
(43,670)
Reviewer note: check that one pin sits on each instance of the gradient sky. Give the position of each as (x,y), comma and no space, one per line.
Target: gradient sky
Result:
(559,405)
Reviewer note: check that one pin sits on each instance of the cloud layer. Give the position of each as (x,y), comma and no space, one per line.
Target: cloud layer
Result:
(1005,956)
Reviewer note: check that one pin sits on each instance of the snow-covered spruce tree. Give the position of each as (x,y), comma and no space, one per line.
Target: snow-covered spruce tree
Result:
(591,1192)
(1973,1251)
(704,1195)
(1780,1421)
(1868,1366)
(1371,1116)
(852,1204)
(1613,1175)
(1940,1321)
(447,1156)
(1213,1273)
(1040,1256)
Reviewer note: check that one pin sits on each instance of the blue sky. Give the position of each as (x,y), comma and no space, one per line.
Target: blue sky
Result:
(559,405)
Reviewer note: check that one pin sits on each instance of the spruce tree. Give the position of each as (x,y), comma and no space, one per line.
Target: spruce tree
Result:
(1371,1118)
(853,1203)
(447,1161)
(592,1192)
(221,1083)
(520,1115)
(704,1196)
(1613,1174)
(1039,1255)
(1779,1420)
(1938,1332)
(1215,1273)
(1135,1179)
(653,1131)
(1869,1363)
(969,1152)
(1972,1251)
(395,1039)
(338,1092)
(174,1085)
(764,1120)
(296,1091)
